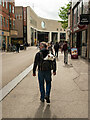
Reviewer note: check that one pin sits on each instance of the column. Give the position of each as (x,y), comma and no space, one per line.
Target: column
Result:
(58,36)
(50,36)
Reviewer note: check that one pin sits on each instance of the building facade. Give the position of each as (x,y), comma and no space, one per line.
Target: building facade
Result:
(7,22)
(79,33)
(39,29)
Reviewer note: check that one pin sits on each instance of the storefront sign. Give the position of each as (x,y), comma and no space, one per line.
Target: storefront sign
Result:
(2,33)
(74,53)
(85,19)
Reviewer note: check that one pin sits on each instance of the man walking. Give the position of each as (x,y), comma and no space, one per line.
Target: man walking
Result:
(44,73)
(18,46)
(56,48)
(65,49)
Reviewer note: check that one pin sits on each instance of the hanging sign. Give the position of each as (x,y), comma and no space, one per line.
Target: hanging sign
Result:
(85,19)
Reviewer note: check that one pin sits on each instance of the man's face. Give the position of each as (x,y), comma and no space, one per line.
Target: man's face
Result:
(41,46)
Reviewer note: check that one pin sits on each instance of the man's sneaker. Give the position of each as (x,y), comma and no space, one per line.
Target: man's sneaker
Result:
(47,99)
(42,100)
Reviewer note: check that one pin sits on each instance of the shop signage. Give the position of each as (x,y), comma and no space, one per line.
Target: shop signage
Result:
(2,33)
(85,19)
(74,53)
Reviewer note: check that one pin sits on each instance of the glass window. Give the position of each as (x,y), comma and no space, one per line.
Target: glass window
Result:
(3,3)
(13,9)
(9,8)
(6,5)
(7,23)
(62,36)
(82,8)
(4,21)
(15,16)
(84,44)
(85,7)
(10,24)
(0,2)
(1,21)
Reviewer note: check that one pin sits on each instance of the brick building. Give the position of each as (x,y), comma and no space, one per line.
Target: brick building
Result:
(7,22)
(20,25)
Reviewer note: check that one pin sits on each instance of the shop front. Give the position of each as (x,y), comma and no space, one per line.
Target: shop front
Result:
(84,44)
(4,39)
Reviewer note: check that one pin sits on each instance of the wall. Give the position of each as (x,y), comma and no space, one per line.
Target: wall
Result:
(19,21)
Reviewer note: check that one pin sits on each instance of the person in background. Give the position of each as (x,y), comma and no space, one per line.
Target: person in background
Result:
(56,48)
(50,48)
(65,49)
(4,46)
(18,47)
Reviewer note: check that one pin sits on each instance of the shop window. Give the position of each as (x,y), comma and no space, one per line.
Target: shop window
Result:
(84,43)
(62,36)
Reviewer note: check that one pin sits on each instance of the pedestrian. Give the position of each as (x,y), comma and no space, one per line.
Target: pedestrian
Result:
(25,46)
(17,47)
(50,48)
(44,72)
(56,48)
(38,44)
(4,46)
(65,49)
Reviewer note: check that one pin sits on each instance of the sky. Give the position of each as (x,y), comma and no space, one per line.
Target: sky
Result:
(44,8)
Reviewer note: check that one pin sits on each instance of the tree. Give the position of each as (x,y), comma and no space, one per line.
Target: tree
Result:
(63,15)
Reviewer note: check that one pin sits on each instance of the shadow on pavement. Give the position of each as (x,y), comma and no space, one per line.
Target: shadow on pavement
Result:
(43,112)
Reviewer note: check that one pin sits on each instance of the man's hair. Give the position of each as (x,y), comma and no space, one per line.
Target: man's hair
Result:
(44,44)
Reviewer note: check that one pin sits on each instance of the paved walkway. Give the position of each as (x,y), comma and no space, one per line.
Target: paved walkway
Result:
(69,94)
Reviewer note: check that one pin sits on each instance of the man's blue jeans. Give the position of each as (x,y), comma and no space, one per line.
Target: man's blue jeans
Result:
(44,76)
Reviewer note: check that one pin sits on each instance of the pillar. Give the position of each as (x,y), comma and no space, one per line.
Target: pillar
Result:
(50,36)
(58,36)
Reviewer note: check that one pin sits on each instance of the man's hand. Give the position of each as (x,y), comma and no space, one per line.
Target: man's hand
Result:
(54,73)
(34,74)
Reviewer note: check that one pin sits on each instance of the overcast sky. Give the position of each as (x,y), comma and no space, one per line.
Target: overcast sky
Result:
(44,8)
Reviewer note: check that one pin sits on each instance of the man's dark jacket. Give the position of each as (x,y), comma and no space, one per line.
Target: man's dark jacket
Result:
(37,60)
(56,47)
